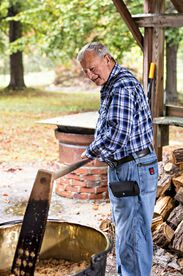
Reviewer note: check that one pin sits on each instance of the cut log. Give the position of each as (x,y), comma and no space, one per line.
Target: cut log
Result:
(163,184)
(170,168)
(156,221)
(180,262)
(163,235)
(177,156)
(179,195)
(170,191)
(180,166)
(178,182)
(175,217)
(164,206)
(178,238)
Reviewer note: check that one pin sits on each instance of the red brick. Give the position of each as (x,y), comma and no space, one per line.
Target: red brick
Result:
(87,190)
(62,181)
(103,183)
(83,171)
(72,176)
(96,196)
(104,177)
(92,177)
(64,193)
(99,190)
(78,183)
(81,196)
(72,188)
(92,183)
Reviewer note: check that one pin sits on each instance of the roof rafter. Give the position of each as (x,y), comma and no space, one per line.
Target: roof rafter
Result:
(178,4)
(126,15)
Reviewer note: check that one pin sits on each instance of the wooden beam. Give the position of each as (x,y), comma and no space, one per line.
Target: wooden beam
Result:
(159,20)
(125,14)
(158,59)
(178,4)
(176,111)
(147,58)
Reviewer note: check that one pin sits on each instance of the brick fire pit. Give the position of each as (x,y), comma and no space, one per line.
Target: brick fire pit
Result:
(75,133)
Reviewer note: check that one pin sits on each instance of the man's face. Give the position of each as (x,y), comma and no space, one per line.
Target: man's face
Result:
(96,68)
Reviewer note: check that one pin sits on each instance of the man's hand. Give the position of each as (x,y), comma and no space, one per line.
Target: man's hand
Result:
(83,155)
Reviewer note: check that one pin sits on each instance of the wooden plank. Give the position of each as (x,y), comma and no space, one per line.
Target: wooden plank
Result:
(147,58)
(159,20)
(176,111)
(85,120)
(173,121)
(178,4)
(158,59)
(125,14)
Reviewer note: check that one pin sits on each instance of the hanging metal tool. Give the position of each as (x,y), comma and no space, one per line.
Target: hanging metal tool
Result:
(150,82)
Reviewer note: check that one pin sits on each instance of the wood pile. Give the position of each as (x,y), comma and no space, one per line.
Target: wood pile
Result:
(167,226)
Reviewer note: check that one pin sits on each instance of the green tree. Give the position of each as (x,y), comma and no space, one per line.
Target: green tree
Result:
(15,30)
(61,27)
(8,10)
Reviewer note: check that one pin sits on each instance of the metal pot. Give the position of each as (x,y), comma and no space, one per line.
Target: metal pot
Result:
(62,240)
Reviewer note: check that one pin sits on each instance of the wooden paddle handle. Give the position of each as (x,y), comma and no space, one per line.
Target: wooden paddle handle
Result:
(70,168)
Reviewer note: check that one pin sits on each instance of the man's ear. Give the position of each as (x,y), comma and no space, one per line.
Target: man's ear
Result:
(108,58)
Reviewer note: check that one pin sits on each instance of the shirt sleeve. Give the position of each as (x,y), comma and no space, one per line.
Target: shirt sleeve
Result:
(116,125)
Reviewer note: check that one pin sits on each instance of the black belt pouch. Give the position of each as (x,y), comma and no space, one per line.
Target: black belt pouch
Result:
(124,188)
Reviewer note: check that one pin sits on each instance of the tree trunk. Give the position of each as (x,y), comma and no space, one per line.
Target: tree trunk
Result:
(16,59)
(171,72)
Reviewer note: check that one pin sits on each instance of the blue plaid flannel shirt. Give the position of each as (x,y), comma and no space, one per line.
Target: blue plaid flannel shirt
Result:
(124,124)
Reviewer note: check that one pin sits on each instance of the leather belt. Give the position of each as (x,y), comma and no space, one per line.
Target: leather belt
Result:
(140,153)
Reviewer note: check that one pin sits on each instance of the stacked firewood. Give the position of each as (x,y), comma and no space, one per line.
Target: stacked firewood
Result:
(167,226)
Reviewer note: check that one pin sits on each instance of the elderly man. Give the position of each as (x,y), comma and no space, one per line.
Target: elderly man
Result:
(123,139)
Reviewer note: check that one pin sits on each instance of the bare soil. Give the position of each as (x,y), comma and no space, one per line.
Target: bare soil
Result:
(16,183)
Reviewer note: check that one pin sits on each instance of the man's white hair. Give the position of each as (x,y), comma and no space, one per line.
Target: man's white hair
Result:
(97,47)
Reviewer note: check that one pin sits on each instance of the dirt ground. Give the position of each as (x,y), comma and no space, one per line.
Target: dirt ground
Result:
(16,183)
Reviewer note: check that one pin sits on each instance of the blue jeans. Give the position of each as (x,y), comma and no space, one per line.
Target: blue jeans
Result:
(132,215)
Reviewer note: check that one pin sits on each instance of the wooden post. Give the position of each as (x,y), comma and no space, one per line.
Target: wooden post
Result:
(147,46)
(158,59)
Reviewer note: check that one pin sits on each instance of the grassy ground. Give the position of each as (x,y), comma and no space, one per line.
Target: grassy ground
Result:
(21,138)
(24,140)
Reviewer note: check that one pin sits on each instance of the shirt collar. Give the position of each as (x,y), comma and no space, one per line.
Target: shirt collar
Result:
(113,73)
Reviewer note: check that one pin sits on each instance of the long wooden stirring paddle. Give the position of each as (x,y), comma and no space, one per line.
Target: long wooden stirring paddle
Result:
(35,219)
